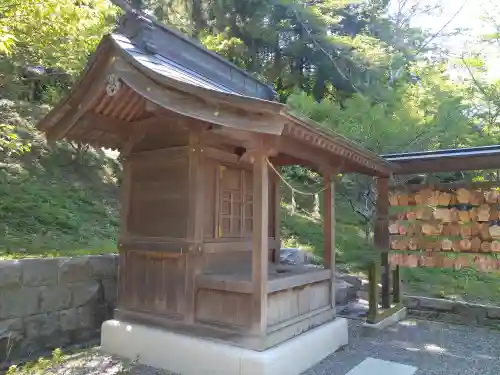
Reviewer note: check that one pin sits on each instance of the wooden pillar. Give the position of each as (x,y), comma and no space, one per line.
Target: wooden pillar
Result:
(260,254)
(329,229)
(277,218)
(381,236)
(125,198)
(125,189)
(194,225)
(396,285)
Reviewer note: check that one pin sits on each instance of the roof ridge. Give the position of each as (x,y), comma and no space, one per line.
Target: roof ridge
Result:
(151,23)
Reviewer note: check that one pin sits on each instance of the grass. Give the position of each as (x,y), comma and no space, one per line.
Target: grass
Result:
(75,362)
(54,200)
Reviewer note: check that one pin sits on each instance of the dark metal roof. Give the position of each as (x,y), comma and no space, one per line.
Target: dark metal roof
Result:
(447,160)
(167,67)
(159,46)
(446,153)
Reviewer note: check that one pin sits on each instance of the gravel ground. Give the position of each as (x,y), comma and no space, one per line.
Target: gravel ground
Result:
(435,348)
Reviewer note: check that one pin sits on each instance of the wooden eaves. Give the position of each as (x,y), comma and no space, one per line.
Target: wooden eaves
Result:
(447,160)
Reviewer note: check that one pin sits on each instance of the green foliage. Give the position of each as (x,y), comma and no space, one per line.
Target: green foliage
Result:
(9,140)
(57,36)
(48,366)
(54,201)
(54,33)
(231,48)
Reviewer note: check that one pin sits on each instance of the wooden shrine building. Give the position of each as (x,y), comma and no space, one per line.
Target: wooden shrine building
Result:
(200,227)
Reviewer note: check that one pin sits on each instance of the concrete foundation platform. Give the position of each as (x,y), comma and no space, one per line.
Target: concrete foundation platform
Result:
(187,355)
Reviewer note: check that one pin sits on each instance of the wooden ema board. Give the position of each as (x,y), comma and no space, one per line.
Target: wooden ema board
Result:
(444,220)
(482,262)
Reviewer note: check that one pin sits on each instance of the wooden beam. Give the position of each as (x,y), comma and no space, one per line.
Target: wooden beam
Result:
(304,152)
(157,155)
(329,229)
(69,120)
(214,153)
(381,236)
(294,281)
(260,243)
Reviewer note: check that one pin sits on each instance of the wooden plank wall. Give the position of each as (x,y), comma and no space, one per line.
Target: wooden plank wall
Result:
(223,308)
(158,195)
(152,282)
(292,303)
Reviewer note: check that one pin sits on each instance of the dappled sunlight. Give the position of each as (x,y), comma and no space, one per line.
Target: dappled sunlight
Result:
(432,348)
(430,338)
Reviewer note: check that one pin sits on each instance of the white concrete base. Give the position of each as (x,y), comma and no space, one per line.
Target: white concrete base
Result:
(372,366)
(389,321)
(194,356)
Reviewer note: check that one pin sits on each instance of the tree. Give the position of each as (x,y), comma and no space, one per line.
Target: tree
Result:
(54,34)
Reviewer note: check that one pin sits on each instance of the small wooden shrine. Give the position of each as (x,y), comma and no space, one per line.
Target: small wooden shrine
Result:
(200,225)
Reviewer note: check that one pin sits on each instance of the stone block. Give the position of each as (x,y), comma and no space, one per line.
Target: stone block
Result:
(454,318)
(104,266)
(10,273)
(37,272)
(19,302)
(55,298)
(86,292)
(110,291)
(11,328)
(355,281)
(493,312)
(42,325)
(344,292)
(411,302)
(87,316)
(74,270)
(10,337)
(471,312)
(70,319)
(436,304)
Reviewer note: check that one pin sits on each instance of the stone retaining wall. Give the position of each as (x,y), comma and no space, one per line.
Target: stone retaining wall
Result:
(452,311)
(53,302)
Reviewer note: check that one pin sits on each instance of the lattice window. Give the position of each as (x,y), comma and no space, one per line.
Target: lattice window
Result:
(235,202)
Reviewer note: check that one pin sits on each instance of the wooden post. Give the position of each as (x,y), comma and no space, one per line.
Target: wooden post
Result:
(373,292)
(381,236)
(195,224)
(329,229)
(125,198)
(126,187)
(396,285)
(260,242)
(277,218)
